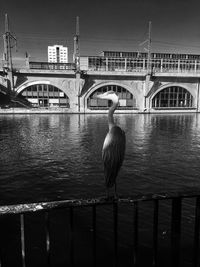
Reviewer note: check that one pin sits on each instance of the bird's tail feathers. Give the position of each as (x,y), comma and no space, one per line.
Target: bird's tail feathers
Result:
(110,177)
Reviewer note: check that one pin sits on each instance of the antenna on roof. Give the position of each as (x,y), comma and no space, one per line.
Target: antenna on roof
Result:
(7,56)
(76,56)
(149,50)
(77,26)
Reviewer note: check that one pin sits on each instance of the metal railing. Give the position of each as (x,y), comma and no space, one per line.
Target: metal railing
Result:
(51,66)
(70,207)
(107,64)
(141,65)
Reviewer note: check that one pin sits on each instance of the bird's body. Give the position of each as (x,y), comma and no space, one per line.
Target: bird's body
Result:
(113,154)
(114,145)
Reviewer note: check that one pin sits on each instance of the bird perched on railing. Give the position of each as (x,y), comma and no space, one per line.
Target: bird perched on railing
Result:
(114,145)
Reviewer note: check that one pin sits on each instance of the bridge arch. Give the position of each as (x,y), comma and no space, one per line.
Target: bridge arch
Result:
(43,94)
(172,96)
(126,99)
(4,96)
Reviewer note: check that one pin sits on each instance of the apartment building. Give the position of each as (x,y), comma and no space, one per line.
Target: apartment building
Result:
(58,54)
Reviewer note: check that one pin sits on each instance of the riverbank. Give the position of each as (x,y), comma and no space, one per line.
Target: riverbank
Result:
(88,111)
(34,110)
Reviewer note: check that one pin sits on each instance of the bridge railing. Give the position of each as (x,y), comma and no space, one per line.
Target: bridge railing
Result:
(51,66)
(92,208)
(141,65)
(99,64)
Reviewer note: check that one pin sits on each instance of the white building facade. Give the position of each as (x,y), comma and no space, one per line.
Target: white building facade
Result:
(58,54)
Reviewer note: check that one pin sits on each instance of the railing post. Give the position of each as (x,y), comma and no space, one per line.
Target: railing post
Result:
(22,239)
(143,64)
(135,233)
(155,232)
(94,234)
(115,217)
(125,63)
(178,65)
(196,233)
(71,236)
(107,64)
(47,226)
(195,66)
(1,258)
(161,65)
(176,231)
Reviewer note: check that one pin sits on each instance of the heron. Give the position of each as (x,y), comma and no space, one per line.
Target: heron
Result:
(114,145)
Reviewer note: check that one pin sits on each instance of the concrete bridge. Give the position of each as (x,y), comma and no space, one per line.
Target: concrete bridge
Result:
(162,90)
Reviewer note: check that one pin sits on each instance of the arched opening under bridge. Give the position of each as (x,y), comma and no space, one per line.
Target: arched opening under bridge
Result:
(4,97)
(126,99)
(45,95)
(173,97)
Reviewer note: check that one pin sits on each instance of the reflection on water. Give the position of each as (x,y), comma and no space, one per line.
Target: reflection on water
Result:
(49,157)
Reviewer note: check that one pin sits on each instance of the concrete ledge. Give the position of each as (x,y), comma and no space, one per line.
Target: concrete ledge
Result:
(88,111)
(35,111)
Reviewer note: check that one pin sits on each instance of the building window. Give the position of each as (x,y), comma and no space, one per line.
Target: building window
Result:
(126,99)
(172,97)
(45,95)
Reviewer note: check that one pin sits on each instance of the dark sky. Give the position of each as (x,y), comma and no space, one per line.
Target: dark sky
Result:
(104,25)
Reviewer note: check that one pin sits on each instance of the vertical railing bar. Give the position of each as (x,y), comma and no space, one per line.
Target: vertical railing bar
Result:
(135,233)
(94,234)
(47,231)
(71,236)
(22,239)
(176,231)
(196,232)
(115,217)
(155,232)
(1,258)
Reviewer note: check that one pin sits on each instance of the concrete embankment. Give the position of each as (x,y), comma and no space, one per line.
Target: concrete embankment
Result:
(34,111)
(72,111)
(57,111)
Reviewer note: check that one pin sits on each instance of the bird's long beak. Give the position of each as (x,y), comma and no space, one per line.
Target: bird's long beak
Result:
(100,96)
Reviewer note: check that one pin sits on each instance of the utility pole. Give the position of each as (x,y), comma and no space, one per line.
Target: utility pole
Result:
(149,50)
(7,56)
(149,71)
(76,59)
(76,56)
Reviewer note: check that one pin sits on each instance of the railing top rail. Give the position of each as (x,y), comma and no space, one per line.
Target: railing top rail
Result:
(51,63)
(44,206)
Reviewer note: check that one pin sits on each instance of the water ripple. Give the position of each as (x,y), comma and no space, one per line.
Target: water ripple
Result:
(59,156)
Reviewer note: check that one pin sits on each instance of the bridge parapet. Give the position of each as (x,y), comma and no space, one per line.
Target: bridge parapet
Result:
(51,66)
(120,66)
(138,65)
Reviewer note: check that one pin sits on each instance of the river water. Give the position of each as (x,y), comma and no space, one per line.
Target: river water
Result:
(51,157)
(54,157)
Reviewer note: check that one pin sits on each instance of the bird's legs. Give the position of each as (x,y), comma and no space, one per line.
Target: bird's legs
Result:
(107,192)
(115,190)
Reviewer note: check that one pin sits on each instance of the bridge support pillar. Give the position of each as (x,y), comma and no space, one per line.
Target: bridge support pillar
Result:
(198,95)
(147,86)
(78,89)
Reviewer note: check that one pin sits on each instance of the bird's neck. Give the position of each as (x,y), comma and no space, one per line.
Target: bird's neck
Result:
(110,114)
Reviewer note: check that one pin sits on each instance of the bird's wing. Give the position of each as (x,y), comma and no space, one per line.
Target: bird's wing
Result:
(113,154)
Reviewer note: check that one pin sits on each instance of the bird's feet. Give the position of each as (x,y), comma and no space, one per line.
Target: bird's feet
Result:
(116,196)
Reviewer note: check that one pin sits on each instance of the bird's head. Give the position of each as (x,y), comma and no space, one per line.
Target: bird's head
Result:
(109,95)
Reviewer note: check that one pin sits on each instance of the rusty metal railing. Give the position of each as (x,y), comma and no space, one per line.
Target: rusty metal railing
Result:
(93,204)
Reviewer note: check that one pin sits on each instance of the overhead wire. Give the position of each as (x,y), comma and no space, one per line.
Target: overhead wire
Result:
(36,40)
